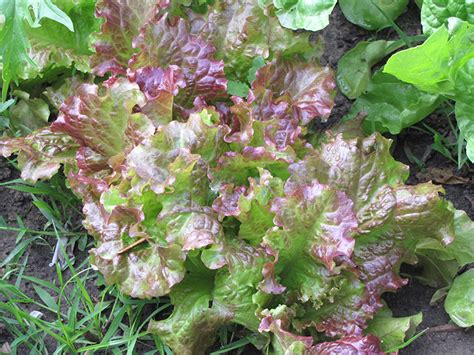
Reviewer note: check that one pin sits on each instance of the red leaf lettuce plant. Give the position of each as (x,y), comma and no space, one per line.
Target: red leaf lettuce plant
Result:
(220,202)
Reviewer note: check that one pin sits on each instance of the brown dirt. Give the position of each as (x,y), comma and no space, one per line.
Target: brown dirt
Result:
(339,37)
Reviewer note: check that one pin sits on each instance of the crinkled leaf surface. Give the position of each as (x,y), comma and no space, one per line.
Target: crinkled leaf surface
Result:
(100,120)
(293,89)
(163,43)
(351,344)
(58,93)
(123,20)
(310,15)
(435,13)
(40,154)
(372,14)
(193,325)
(235,29)
(327,238)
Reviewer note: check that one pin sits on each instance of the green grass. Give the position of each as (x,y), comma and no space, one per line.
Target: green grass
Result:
(75,313)
(451,145)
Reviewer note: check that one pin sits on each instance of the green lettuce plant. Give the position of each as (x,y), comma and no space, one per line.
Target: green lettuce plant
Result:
(449,72)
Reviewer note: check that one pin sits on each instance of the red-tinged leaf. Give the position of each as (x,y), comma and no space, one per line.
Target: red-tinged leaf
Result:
(40,154)
(146,272)
(361,167)
(163,43)
(293,89)
(278,321)
(350,345)
(320,216)
(227,204)
(154,80)
(347,313)
(269,284)
(122,22)
(379,263)
(104,121)
(251,205)
(240,31)
(160,87)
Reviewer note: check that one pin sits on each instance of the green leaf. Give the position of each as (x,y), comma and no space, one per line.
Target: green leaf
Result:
(40,154)
(462,248)
(257,63)
(28,114)
(192,326)
(391,105)
(6,104)
(464,107)
(434,65)
(14,35)
(60,91)
(46,298)
(311,15)
(392,331)
(46,9)
(443,65)
(372,14)
(113,106)
(440,262)
(235,29)
(237,88)
(459,303)
(426,66)
(354,68)
(435,13)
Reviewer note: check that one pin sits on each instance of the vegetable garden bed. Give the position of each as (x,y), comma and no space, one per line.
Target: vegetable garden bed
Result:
(225,202)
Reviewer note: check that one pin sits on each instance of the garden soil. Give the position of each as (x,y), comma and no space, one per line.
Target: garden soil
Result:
(339,37)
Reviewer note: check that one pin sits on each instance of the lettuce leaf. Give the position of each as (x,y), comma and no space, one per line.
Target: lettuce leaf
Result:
(122,21)
(308,15)
(459,302)
(435,14)
(391,105)
(372,15)
(57,35)
(392,331)
(447,71)
(354,68)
